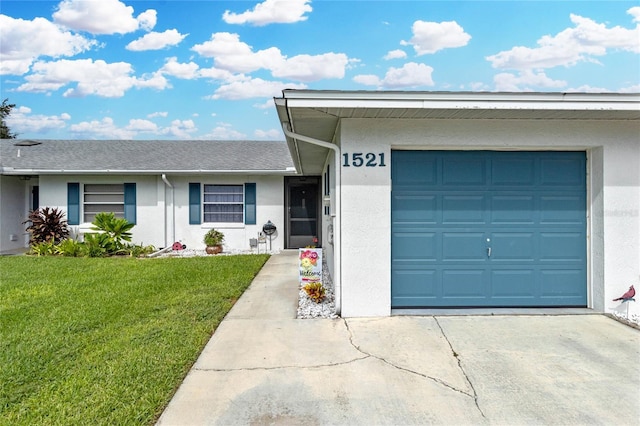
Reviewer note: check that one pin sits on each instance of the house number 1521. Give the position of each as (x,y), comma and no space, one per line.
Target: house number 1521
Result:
(366,159)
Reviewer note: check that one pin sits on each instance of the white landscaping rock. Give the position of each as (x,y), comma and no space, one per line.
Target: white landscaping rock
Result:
(307,308)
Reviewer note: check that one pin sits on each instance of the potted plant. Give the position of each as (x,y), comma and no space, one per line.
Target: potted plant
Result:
(213,239)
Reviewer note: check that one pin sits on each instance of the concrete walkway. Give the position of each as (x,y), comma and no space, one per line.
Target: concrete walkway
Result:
(264,367)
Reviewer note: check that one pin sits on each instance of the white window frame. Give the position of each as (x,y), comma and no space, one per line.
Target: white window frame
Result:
(108,191)
(207,215)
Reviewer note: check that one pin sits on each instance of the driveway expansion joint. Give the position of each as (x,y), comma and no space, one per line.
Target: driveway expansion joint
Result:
(425,376)
(459,361)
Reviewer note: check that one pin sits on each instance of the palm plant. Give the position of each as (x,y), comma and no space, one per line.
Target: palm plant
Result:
(113,231)
(46,225)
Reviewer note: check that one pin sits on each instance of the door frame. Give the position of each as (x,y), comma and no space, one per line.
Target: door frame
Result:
(292,181)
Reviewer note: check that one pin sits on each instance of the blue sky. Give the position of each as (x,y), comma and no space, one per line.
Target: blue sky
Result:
(129,69)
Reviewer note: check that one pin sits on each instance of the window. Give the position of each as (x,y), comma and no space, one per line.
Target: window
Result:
(102,198)
(119,199)
(223,203)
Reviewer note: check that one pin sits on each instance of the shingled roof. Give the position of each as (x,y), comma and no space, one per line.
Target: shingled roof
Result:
(142,156)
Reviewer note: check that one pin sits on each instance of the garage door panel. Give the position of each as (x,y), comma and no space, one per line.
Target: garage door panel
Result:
(562,246)
(513,246)
(415,245)
(457,170)
(405,292)
(513,209)
(562,209)
(415,208)
(562,170)
(419,169)
(463,246)
(464,283)
(463,209)
(563,286)
(512,171)
(486,228)
(513,284)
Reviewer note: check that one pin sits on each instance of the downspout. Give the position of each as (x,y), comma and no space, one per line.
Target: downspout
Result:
(337,237)
(173,213)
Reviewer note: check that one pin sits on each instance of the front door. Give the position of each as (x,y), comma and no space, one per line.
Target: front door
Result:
(303,212)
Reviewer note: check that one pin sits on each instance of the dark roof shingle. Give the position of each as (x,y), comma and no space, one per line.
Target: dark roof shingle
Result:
(205,156)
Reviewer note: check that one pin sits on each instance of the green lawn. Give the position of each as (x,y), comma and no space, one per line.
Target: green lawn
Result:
(92,341)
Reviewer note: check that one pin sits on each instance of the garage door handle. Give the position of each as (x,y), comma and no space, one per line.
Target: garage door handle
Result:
(488,251)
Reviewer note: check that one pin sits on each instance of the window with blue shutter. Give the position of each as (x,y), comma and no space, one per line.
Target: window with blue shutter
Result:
(73,203)
(250,203)
(194,203)
(130,202)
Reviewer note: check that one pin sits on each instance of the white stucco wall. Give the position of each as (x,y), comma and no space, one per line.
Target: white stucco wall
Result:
(14,208)
(154,208)
(270,206)
(613,156)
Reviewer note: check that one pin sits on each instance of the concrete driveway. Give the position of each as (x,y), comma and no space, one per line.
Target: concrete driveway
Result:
(264,367)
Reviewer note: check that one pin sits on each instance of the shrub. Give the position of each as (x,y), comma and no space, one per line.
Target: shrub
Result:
(70,248)
(46,224)
(315,291)
(43,248)
(94,245)
(213,238)
(115,231)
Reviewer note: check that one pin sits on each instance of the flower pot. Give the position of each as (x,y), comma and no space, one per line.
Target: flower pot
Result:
(213,249)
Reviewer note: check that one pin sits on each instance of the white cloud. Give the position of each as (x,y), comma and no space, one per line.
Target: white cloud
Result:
(156,41)
(526,81)
(231,54)
(235,56)
(585,40)
(268,104)
(224,131)
(103,129)
(630,89)
(368,80)
(110,80)
(174,68)
(253,88)
(102,17)
(268,134)
(23,41)
(21,121)
(409,75)
(395,54)
(311,68)
(158,114)
(271,12)
(140,125)
(155,81)
(430,37)
(181,129)
(635,12)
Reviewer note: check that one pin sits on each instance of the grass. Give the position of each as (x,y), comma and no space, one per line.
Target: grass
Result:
(107,341)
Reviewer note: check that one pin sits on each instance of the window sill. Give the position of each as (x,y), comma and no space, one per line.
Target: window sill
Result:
(211,225)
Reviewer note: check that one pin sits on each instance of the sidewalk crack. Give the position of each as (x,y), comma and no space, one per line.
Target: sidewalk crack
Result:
(281,367)
(459,361)
(434,379)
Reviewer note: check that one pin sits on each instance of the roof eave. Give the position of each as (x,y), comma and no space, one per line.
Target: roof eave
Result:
(20,172)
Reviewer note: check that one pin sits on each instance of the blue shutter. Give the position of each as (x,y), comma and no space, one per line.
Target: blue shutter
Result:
(249,203)
(130,202)
(73,203)
(194,203)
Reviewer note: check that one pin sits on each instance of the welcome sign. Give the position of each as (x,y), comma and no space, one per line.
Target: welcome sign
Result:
(310,265)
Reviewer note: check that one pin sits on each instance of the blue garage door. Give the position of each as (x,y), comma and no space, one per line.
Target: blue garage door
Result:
(488,228)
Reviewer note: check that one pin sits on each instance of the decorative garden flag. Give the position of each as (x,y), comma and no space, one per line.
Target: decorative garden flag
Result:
(310,265)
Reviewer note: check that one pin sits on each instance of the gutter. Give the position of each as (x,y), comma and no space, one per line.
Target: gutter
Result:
(13,171)
(173,213)
(337,237)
